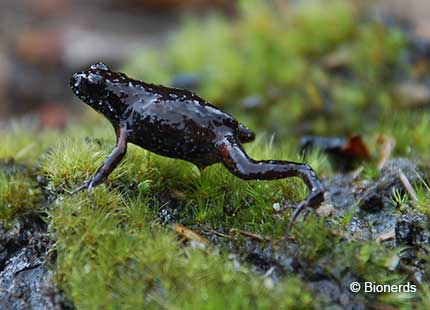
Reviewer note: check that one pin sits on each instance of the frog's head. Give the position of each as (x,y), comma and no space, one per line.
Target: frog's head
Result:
(99,88)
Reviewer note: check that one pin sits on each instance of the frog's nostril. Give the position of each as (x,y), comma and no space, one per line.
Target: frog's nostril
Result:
(75,81)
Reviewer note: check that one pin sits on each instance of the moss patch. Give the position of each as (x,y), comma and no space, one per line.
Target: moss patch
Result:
(19,193)
(313,65)
(112,255)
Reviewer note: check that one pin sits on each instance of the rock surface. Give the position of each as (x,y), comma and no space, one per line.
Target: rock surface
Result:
(25,281)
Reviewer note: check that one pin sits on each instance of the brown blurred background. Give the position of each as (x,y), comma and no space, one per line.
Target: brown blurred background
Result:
(42,42)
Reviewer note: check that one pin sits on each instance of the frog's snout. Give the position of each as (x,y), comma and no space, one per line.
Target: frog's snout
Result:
(79,85)
(75,81)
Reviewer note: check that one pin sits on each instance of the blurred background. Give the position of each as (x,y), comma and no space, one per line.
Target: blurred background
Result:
(306,64)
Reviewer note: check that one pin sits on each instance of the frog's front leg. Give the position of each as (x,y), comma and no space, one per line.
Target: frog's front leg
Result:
(110,163)
(244,167)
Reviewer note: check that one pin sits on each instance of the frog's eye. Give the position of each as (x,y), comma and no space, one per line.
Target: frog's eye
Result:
(100,66)
(95,79)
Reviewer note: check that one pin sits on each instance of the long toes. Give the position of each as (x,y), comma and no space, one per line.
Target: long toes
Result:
(309,205)
(79,189)
(306,211)
(91,189)
(302,206)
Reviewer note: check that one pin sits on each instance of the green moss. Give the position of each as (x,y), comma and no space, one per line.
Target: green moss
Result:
(422,190)
(370,172)
(18,193)
(409,130)
(112,255)
(24,141)
(287,56)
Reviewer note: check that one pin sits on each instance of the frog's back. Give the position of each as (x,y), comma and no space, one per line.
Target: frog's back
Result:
(179,124)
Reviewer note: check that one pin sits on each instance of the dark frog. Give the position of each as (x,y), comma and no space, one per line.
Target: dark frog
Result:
(176,123)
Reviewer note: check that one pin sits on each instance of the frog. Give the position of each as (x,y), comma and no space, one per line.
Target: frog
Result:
(176,123)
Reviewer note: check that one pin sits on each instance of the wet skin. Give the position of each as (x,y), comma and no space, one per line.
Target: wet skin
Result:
(178,124)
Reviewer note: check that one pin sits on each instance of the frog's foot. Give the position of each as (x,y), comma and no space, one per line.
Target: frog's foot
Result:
(312,202)
(240,164)
(79,189)
(88,185)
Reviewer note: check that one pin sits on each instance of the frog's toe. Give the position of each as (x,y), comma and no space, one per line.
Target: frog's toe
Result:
(91,186)
(299,209)
(79,189)
(313,201)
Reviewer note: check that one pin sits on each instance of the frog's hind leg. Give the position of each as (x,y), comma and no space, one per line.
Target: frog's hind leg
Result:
(240,164)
